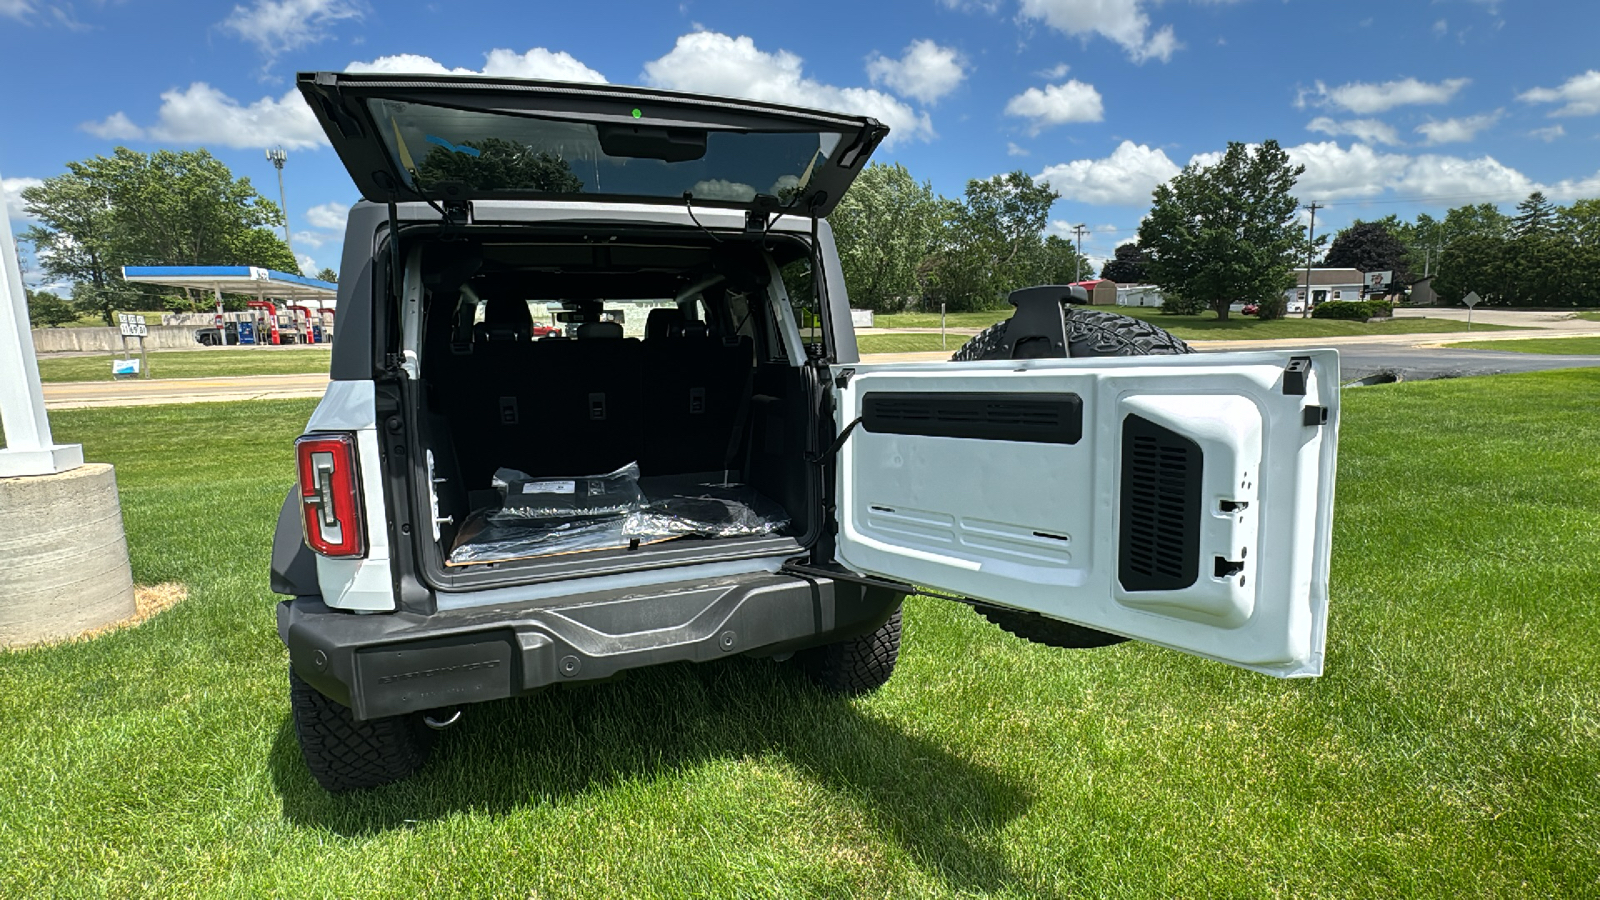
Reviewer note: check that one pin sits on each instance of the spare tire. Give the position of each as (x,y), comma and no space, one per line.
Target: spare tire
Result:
(1090,332)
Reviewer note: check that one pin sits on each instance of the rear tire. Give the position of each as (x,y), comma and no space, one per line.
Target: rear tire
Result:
(1090,332)
(856,666)
(346,755)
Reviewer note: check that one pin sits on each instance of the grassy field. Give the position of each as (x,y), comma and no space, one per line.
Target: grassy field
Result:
(192,364)
(1452,749)
(913,342)
(1206,326)
(1567,346)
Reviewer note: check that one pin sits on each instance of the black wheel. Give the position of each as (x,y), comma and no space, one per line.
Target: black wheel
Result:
(859,665)
(1090,332)
(346,755)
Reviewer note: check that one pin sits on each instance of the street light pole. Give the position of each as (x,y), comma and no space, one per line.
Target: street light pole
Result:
(276,156)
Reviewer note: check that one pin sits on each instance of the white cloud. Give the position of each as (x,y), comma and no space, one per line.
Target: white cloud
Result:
(1456,131)
(1334,173)
(307,265)
(330,215)
(278,26)
(713,63)
(1441,28)
(201,114)
(1364,98)
(1013,150)
(1580,93)
(1548,134)
(538,63)
(1122,21)
(15,9)
(1057,104)
(116,127)
(1127,176)
(1371,130)
(925,71)
(557,65)
(312,239)
(1055,72)
(11,192)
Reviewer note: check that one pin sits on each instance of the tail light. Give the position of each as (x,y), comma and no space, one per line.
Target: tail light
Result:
(330,494)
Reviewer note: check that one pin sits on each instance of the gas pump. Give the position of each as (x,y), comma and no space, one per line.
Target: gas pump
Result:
(271,310)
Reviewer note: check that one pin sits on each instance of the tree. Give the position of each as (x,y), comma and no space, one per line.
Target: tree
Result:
(46,310)
(1535,215)
(994,242)
(499,164)
(329,275)
(885,227)
(1128,265)
(162,208)
(1228,231)
(1370,247)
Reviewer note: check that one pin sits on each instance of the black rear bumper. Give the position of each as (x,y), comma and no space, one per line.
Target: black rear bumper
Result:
(392,663)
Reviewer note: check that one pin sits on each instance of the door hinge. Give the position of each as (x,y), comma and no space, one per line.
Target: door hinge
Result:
(1315,416)
(839,573)
(843,378)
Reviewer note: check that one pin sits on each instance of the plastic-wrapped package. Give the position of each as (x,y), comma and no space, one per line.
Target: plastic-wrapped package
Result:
(484,540)
(524,497)
(687,505)
(663,508)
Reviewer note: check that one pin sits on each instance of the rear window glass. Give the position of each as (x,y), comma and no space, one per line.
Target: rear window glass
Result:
(520,155)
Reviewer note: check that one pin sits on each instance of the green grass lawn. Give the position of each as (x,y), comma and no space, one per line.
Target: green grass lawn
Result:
(1206,326)
(1591,315)
(192,364)
(1452,749)
(1567,346)
(908,342)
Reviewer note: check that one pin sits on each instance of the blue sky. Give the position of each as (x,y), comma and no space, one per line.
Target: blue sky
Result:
(1394,107)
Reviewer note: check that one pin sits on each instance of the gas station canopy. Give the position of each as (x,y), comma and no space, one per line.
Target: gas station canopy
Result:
(249,280)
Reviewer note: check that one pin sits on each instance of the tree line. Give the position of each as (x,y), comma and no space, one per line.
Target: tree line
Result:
(171,208)
(1542,255)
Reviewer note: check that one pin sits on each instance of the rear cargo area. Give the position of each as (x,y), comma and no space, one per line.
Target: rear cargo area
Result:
(678,382)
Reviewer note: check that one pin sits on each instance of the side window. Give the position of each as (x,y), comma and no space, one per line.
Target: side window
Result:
(801,286)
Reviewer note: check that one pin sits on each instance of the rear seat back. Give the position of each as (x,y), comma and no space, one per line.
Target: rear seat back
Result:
(695,395)
(587,406)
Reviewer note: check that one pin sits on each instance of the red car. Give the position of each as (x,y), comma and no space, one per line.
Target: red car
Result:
(1251,309)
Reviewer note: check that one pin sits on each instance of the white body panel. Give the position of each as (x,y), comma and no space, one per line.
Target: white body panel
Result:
(1035,525)
(366,583)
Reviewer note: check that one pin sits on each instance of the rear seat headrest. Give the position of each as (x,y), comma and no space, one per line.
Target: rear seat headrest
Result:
(602,330)
(659,323)
(505,319)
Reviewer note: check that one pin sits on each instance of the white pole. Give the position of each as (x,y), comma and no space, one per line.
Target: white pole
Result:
(30,449)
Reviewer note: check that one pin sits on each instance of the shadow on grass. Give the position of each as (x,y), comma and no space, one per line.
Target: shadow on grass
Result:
(945,811)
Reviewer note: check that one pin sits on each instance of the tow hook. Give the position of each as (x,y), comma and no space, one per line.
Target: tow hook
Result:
(440,719)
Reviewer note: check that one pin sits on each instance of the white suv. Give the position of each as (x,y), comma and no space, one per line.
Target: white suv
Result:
(692,462)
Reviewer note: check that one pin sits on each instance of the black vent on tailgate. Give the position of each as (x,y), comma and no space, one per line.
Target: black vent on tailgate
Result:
(1159,543)
(1036,418)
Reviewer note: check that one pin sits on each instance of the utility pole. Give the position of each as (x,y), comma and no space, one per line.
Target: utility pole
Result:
(1311,248)
(1080,231)
(276,156)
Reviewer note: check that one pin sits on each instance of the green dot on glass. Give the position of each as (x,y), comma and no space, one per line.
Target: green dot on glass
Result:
(637,114)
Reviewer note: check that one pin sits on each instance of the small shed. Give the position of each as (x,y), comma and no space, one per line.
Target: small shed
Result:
(1102,291)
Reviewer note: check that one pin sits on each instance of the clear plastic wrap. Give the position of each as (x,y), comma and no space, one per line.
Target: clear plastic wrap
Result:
(523,496)
(678,506)
(667,508)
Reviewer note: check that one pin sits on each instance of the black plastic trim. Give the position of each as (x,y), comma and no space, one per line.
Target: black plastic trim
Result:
(395,663)
(1158,540)
(980,415)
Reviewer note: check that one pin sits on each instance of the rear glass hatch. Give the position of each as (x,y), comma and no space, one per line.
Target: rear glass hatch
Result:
(458,138)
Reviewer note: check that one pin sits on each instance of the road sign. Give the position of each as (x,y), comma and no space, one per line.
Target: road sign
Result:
(1472,299)
(132,325)
(1379,281)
